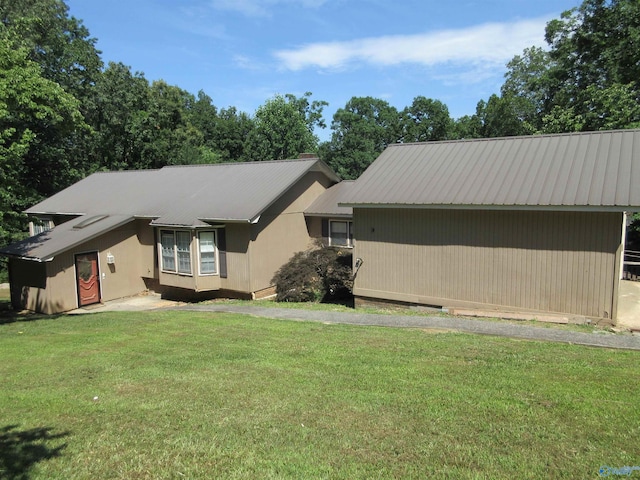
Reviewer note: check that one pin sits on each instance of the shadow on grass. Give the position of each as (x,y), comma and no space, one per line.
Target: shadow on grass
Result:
(20,450)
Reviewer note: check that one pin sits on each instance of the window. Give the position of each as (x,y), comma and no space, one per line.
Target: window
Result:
(340,233)
(40,225)
(176,251)
(183,247)
(207,250)
(168,256)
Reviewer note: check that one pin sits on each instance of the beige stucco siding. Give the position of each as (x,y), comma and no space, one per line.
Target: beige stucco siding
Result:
(282,230)
(532,260)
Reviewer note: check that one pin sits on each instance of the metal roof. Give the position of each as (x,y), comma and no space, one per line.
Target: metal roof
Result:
(46,245)
(184,195)
(577,170)
(326,205)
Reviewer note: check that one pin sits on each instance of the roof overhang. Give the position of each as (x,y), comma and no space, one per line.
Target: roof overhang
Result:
(47,245)
(543,208)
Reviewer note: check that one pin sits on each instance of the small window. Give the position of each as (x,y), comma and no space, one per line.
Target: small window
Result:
(340,233)
(207,250)
(40,225)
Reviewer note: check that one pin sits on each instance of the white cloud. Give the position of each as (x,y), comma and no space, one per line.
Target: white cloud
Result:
(261,8)
(491,44)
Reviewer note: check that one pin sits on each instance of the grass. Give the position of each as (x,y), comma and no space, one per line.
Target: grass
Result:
(203,395)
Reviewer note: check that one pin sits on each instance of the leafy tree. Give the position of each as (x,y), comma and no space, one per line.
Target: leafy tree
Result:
(283,129)
(163,133)
(588,80)
(33,110)
(60,44)
(232,128)
(467,127)
(118,99)
(425,120)
(361,131)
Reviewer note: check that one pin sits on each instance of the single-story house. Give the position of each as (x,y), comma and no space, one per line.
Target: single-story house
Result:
(186,231)
(532,224)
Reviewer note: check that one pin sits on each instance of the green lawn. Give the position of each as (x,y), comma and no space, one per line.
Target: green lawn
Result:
(202,395)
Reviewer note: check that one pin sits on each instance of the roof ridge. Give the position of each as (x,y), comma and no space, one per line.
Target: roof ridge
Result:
(516,137)
(254,162)
(126,171)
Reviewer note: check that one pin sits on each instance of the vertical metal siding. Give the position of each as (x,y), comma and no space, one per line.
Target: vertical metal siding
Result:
(548,261)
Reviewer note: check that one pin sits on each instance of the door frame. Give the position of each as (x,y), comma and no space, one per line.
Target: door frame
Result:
(98,278)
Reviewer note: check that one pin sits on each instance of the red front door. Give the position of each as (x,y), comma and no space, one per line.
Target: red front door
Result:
(88,279)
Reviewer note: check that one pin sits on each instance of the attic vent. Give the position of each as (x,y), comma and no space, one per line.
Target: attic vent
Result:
(89,221)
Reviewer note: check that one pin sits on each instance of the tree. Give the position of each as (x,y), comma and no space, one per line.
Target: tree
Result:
(60,44)
(33,110)
(232,128)
(283,129)
(118,99)
(361,131)
(588,80)
(425,120)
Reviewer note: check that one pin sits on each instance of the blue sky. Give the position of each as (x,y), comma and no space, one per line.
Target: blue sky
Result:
(243,52)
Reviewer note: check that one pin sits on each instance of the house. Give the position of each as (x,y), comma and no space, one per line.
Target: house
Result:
(185,231)
(527,224)
(329,222)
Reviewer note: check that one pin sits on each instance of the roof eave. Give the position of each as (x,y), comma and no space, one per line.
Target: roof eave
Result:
(569,208)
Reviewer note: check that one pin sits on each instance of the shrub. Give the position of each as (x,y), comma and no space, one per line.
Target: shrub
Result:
(315,275)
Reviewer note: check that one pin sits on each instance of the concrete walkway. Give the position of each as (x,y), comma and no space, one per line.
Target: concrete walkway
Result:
(629,305)
(484,327)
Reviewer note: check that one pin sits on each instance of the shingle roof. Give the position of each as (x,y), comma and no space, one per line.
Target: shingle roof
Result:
(184,195)
(326,205)
(579,170)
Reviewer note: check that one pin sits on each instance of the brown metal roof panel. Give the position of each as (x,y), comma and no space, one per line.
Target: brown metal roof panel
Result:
(239,191)
(184,194)
(47,245)
(580,169)
(327,204)
(129,192)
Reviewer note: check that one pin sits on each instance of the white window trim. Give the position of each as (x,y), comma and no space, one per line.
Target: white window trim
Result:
(349,232)
(175,253)
(215,250)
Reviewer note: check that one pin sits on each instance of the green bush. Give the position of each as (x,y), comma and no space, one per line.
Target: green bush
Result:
(315,275)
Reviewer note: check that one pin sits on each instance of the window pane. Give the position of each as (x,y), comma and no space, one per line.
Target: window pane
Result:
(207,252)
(168,254)
(338,234)
(183,246)
(40,226)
